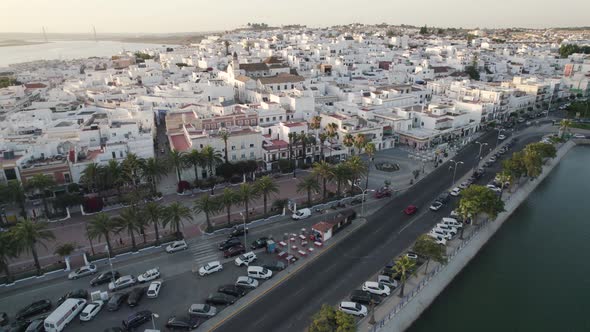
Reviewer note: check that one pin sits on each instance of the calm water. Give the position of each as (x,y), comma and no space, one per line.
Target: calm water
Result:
(534,275)
(66,50)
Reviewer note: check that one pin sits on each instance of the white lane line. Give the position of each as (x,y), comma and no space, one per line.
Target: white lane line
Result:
(412,221)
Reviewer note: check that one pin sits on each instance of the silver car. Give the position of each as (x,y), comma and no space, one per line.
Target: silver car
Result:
(202,310)
(83,271)
(123,282)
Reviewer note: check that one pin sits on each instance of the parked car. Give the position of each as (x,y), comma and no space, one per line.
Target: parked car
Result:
(383,192)
(258,272)
(220,299)
(36,325)
(3,319)
(464,185)
(137,319)
(376,288)
(364,297)
(353,308)
(501,137)
(105,278)
(135,295)
(149,275)
(456,192)
(444,197)
(246,282)
(33,309)
(438,238)
(75,294)
(452,222)
(412,255)
(176,246)
(275,266)
(16,326)
(494,188)
(301,214)
(260,243)
(232,290)
(186,323)
(234,251)
(435,206)
(91,310)
(492,159)
(410,210)
(449,229)
(210,267)
(387,281)
(439,232)
(122,283)
(246,259)
(202,310)
(83,271)
(231,242)
(154,289)
(238,230)
(116,301)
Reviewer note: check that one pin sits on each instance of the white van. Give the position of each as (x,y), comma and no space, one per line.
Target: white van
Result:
(61,316)
(301,214)
(259,272)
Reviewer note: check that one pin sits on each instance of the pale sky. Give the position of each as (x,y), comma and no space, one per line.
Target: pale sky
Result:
(151,16)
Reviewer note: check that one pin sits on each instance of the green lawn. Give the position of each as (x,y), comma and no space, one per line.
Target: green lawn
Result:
(581,125)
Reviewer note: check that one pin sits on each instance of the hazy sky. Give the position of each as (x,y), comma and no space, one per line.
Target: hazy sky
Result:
(139,16)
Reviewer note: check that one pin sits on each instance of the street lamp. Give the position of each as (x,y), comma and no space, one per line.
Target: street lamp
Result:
(244,220)
(364,192)
(455,169)
(481,145)
(154,315)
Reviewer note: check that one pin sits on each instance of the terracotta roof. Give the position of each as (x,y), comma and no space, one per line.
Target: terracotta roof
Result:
(281,78)
(295,124)
(179,142)
(259,66)
(35,85)
(322,226)
(242,78)
(276,144)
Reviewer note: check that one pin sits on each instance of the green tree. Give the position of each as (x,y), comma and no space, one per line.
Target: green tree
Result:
(424,30)
(128,221)
(359,142)
(211,157)
(207,205)
(154,215)
(227,199)
(101,226)
(89,177)
(403,267)
(152,170)
(247,194)
(341,174)
(348,141)
(425,246)
(357,169)
(266,187)
(323,137)
(545,150)
(194,159)
(477,199)
(13,193)
(8,251)
(43,184)
(65,249)
(176,159)
(309,184)
(370,150)
(131,167)
(225,134)
(564,126)
(330,320)
(28,234)
(324,171)
(533,163)
(114,178)
(176,213)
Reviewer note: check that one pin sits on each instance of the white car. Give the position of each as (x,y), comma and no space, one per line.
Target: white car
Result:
(464,185)
(387,281)
(441,233)
(435,206)
(449,229)
(122,282)
(210,267)
(83,271)
(578,136)
(246,259)
(492,159)
(301,214)
(149,275)
(374,287)
(247,282)
(502,137)
(452,222)
(91,310)
(494,188)
(456,191)
(259,272)
(353,308)
(154,289)
(176,246)
(454,213)
(438,239)
(202,310)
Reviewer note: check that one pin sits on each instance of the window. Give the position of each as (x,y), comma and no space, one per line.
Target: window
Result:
(243,156)
(114,134)
(292,86)
(281,117)
(114,154)
(286,87)
(121,154)
(251,154)
(274,118)
(233,147)
(233,157)
(67,177)
(201,146)
(251,145)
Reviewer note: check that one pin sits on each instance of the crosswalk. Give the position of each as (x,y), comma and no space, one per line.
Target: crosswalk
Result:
(204,252)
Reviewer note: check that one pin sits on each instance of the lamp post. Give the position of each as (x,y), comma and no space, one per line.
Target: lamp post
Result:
(455,169)
(154,315)
(110,263)
(245,235)
(481,145)
(364,192)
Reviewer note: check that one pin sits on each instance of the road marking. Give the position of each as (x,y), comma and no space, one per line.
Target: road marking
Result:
(412,221)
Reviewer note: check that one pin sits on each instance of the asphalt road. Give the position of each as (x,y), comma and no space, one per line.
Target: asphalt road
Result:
(331,277)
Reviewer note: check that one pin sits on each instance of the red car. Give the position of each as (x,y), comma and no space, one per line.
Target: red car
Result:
(383,192)
(410,210)
(234,251)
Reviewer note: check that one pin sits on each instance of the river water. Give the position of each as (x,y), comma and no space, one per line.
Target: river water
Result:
(534,274)
(66,50)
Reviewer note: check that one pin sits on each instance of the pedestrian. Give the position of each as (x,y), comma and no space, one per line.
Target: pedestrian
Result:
(121,241)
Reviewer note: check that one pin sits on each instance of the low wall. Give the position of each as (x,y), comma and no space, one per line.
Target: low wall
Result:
(413,309)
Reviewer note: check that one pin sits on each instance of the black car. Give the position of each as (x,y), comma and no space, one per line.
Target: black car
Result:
(135,296)
(104,278)
(444,197)
(76,294)
(260,243)
(3,318)
(16,326)
(232,290)
(137,319)
(36,326)
(275,266)
(186,323)
(238,231)
(364,297)
(116,300)
(33,309)
(229,243)
(220,299)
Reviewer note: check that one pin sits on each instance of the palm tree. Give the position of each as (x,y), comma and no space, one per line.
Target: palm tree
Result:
(211,157)
(28,234)
(131,167)
(564,126)
(326,172)
(154,214)
(292,141)
(403,266)
(357,169)
(207,205)
(129,221)
(8,250)
(370,150)
(315,122)
(308,185)
(175,214)
(304,139)
(89,176)
(227,199)
(194,159)
(348,141)
(359,142)
(176,159)
(16,194)
(65,250)
(224,134)
(152,171)
(101,226)
(247,194)
(341,173)
(280,204)
(323,138)
(331,129)
(266,186)
(42,183)
(114,173)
